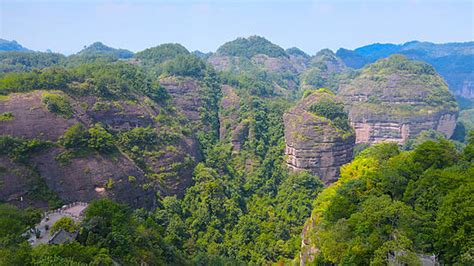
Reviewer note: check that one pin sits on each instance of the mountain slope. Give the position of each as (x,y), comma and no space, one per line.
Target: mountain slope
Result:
(453,61)
(99,48)
(6,46)
(396,98)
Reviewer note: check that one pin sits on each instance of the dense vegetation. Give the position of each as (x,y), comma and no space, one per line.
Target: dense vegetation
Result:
(24,61)
(248,47)
(162,53)
(397,204)
(6,45)
(99,48)
(119,80)
(328,107)
(243,206)
(453,61)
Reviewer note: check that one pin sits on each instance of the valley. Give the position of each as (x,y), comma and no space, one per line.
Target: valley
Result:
(252,154)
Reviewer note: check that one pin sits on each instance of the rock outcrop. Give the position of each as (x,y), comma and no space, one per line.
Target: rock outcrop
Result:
(314,142)
(328,62)
(257,57)
(325,70)
(186,94)
(394,99)
(31,119)
(93,175)
(231,129)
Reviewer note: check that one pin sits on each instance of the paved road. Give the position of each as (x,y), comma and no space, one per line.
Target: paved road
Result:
(74,212)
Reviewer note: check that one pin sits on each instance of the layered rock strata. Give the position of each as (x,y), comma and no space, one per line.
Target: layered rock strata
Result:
(314,143)
(394,99)
(94,175)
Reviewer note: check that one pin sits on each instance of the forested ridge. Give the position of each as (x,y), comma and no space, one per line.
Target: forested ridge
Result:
(207,179)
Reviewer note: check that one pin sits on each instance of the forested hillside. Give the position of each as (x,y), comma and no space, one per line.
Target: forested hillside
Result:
(231,158)
(453,61)
(395,206)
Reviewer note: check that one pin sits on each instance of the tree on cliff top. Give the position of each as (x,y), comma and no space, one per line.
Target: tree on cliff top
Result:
(248,47)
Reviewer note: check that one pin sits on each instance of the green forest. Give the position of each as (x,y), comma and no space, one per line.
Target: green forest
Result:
(242,205)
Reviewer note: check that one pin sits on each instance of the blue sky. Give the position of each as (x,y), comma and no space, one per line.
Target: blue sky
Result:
(66,26)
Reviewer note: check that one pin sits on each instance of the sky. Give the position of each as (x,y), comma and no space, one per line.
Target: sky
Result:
(67,26)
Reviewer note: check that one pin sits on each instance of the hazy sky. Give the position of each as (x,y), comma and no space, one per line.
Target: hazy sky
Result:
(66,26)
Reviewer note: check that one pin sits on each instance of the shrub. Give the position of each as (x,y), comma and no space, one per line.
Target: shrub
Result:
(57,104)
(65,223)
(19,149)
(185,65)
(144,138)
(6,116)
(100,139)
(328,108)
(248,47)
(74,137)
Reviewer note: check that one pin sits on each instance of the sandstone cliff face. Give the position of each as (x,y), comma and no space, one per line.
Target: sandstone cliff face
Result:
(186,95)
(280,64)
(224,63)
(16,180)
(328,62)
(230,128)
(313,143)
(95,176)
(274,64)
(394,99)
(31,119)
(86,177)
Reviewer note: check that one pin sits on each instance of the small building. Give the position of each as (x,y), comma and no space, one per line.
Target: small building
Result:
(62,236)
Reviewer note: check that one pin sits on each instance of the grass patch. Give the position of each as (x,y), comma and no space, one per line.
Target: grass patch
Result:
(6,116)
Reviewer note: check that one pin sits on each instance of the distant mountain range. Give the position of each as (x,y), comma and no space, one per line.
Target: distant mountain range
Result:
(6,45)
(99,48)
(453,61)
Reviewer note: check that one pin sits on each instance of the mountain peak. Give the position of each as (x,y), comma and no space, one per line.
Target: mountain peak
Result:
(248,47)
(6,45)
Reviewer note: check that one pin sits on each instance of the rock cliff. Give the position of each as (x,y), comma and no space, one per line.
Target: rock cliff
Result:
(230,128)
(394,99)
(93,175)
(186,95)
(315,142)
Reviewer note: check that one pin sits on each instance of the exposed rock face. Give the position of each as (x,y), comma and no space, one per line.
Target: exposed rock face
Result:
(15,181)
(230,128)
(31,119)
(274,64)
(325,70)
(94,176)
(328,62)
(223,63)
(299,63)
(186,94)
(394,99)
(271,64)
(79,179)
(467,89)
(120,114)
(313,143)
